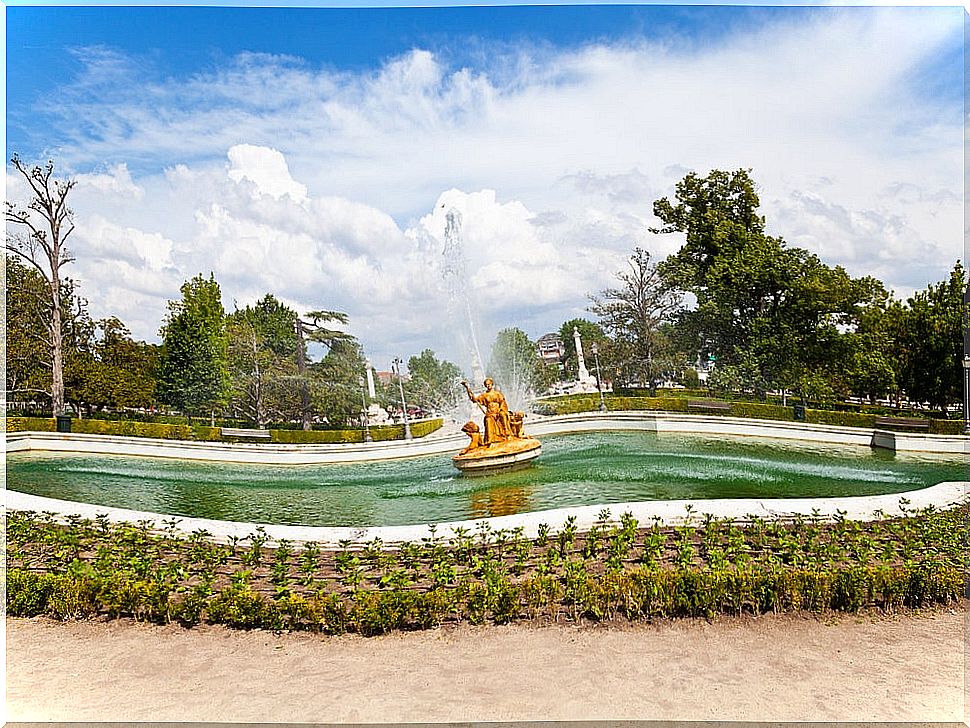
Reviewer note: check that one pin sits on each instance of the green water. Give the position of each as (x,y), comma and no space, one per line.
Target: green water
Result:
(579,469)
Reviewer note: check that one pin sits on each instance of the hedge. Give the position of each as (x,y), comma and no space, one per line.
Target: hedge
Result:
(636,594)
(574,404)
(130,428)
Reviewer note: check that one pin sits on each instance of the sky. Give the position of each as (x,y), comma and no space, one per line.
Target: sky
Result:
(314,153)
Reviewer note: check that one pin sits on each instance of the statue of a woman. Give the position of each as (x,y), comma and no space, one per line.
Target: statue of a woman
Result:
(496,409)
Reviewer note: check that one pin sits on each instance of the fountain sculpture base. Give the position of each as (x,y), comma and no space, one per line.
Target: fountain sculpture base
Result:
(498,457)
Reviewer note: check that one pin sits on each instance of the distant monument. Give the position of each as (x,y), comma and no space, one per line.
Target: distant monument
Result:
(500,444)
(587,383)
(376,415)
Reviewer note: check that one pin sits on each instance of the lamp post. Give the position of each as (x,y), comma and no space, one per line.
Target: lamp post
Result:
(599,380)
(364,416)
(966,394)
(404,406)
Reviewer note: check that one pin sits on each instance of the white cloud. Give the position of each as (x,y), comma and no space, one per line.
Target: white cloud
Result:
(266,169)
(333,192)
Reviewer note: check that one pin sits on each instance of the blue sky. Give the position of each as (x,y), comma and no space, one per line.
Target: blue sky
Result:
(44,43)
(313,152)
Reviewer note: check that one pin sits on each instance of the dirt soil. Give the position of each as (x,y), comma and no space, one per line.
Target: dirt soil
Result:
(770,668)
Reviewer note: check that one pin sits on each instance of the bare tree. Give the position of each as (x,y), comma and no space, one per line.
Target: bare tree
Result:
(41,229)
(634,312)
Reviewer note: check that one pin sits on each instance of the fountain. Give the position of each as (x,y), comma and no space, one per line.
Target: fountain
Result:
(503,445)
(459,305)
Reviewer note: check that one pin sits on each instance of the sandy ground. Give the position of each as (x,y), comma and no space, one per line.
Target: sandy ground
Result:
(775,668)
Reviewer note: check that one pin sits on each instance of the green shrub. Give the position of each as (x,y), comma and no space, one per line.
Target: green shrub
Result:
(73,596)
(30,424)
(243,608)
(845,419)
(27,593)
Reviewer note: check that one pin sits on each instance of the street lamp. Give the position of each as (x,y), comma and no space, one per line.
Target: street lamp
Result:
(599,382)
(966,394)
(366,419)
(404,406)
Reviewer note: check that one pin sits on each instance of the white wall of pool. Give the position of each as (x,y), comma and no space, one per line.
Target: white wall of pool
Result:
(942,495)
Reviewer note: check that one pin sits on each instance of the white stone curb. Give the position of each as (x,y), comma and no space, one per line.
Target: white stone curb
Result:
(943,495)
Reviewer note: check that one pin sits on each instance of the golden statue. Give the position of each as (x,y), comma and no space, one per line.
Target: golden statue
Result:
(498,428)
(503,445)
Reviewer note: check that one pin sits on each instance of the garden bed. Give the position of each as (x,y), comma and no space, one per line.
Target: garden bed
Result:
(620,569)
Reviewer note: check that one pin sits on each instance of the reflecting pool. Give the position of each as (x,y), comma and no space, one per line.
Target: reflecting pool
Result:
(578,469)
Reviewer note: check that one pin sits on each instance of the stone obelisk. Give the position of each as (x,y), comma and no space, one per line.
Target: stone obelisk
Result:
(371,392)
(583,372)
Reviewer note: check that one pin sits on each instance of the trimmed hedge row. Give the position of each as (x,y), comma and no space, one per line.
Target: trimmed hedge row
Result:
(127,428)
(636,594)
(575,404)
(131,428)
(378,433)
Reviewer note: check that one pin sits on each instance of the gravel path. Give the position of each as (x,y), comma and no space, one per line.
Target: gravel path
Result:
(772,668)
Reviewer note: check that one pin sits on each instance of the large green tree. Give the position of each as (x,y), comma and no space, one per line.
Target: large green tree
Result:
(194,361)
(29,367)
(262,345)
(771,315)
(28,350)
(112,370)
(337,383)
(311,328)
(434,383)
(930,342)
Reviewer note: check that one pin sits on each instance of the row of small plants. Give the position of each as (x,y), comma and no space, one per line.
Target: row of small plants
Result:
(620,569)
(575,404)
(204,433)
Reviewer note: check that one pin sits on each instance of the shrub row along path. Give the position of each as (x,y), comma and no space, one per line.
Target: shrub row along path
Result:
(908,667)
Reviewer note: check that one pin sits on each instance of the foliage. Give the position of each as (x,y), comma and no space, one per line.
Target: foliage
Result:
(771,315)
(338,386)
(194,367)
(434,384)
(115,371)
(619,569)
(262,366)
(28,352)
(167,431)
(516,367)
(634,314)
(311,328)
(378,433)
(589,334)
(931,342)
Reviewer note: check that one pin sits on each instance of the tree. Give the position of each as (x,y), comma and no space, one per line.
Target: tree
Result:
(434,384)
(28,350)
(262,344)
(193,367)
(112,370)
(312,329)
(42,229)
(931,342)
(771,313)
(337,384)
(634,314)
(516,367)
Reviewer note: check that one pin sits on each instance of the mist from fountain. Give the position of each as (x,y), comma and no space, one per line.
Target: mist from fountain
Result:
(459,310)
